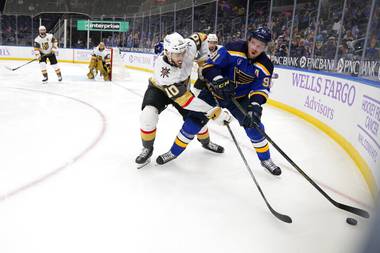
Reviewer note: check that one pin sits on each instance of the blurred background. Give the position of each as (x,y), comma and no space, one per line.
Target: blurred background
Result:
(331,35)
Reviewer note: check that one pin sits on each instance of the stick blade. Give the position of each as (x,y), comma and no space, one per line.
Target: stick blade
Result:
(280,216)
(283,217)
(354,210)
(9,68)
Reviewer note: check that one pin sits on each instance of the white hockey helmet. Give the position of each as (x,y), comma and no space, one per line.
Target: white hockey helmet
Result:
(174,43)
(212,38)
(42,29)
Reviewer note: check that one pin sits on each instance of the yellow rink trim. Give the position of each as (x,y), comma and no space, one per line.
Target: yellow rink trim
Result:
(351,151)
(139,68)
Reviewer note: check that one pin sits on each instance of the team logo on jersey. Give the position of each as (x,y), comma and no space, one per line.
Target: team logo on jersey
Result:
(165,71)
(242,78)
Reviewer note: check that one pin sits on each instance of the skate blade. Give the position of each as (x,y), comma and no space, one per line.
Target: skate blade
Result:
(139,166)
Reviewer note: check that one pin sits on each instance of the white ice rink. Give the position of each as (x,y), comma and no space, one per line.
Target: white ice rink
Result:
(69,184)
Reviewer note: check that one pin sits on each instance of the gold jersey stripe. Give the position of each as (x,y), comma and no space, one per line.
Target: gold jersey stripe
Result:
(237,53)
(258,93)
(263,68)
(184,99)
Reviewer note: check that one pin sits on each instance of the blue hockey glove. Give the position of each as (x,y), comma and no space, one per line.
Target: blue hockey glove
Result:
(253,117)
(223,87)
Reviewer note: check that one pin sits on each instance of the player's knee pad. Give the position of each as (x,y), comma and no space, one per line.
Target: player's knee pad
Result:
(55,66)
(192,125)
(149,118)
(90,75)
(43,66)
(203,130)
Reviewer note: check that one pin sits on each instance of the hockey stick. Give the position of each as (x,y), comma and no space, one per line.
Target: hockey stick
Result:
(20,66)
(282,217)
(347,208)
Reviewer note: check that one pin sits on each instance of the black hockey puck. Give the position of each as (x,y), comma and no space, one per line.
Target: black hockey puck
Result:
(351,221)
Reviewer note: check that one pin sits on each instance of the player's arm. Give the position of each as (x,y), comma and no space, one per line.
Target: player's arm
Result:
(263,72)
(37,50)
(213,66)
(179,93)
(54,43)
(259,95)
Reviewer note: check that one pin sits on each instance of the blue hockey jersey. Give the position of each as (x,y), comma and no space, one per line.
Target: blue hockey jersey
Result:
(251,76)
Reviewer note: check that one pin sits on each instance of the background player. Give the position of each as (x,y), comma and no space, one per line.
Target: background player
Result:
(100,61)
(243,70)
(45,47)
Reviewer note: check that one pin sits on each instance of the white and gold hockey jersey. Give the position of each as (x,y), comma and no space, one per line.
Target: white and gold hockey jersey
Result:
(175,81)
(104,54)
(44,45)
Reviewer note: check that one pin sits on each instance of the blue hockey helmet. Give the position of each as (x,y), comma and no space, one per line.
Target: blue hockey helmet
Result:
(263,34)
(159,47)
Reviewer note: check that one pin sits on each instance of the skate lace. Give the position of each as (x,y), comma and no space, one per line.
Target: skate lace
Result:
(213,145)
(144,152)
(167,156)
(269,164)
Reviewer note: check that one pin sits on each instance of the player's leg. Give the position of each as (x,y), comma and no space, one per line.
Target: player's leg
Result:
(42,62)
(92,68)
(203,135)
(258,141)
(107,71)
(154,102)
(192,125)
(54,64)
(100,68)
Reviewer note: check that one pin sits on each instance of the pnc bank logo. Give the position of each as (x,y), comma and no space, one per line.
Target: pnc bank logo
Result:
(4,51)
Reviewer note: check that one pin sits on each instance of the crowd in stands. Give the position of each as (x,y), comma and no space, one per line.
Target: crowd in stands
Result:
(144,32)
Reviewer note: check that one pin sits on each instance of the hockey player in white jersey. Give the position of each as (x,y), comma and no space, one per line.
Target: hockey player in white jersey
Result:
(100,61)
(170,84)
(45,47)
(213,47)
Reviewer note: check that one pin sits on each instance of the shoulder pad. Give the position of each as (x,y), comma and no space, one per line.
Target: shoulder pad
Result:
(239,46)
(264,63)
(198,38)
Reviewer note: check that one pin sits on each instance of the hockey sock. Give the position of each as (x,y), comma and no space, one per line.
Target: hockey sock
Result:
(203,136)
(57,70)
(259,143)
(43,69)
(189,128)
(148,137)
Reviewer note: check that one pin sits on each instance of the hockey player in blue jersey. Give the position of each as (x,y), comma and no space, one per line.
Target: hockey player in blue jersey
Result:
(242,70)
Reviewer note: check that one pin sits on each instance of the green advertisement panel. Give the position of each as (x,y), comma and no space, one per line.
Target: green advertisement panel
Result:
(104,26)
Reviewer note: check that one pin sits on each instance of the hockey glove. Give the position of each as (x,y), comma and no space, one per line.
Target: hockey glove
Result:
(38,56)
(54,50)
(223,87)
(253,117)
(219,115)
